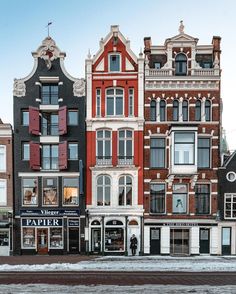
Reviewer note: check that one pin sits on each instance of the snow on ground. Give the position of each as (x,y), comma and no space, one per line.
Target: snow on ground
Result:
(100,289)
(137,263)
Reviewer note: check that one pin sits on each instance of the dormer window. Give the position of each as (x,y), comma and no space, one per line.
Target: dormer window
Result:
(181,65)
(114,62)
(49,95)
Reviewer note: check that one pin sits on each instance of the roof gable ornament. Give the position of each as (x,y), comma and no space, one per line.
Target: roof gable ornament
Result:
(181,27)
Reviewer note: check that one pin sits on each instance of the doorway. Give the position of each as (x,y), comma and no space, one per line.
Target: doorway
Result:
(226,241)
(179,241)
(74,240)
(96,240)
(42,241)
(204,241)
(155,241)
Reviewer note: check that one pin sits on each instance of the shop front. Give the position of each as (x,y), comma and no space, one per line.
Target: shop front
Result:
(5,233)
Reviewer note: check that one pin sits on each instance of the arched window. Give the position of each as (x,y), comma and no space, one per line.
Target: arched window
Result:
(175,110)
(125,147)
(207,110)
(114,101)
(162,110)
(103,147)
(153,111)
(185,110)
(125,190)
(103,190)
(198,110)
(181,65)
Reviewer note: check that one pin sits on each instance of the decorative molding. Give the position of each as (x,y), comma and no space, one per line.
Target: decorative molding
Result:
(79,88)
(19,88)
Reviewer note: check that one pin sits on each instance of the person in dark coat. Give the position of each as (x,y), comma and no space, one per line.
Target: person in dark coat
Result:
(133,244)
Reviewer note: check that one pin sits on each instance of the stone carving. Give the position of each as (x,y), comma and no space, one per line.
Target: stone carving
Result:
(181,27)
(19,88)
(216,61)
(79,88)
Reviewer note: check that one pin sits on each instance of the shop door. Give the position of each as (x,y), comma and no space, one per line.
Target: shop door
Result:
(4,243)
(179,241)
(74,240)
(96,240)
(155,241)
(204,241)
(42,241)
(226,241)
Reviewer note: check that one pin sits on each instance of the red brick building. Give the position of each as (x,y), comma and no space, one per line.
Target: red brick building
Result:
(114,168)
(181,145)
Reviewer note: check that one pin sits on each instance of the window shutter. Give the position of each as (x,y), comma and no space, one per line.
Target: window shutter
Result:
(35,156)
(34,126)
(62,120)
(63,155)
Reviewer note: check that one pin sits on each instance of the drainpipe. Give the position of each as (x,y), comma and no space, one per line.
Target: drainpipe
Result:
(126,237)
(103,239)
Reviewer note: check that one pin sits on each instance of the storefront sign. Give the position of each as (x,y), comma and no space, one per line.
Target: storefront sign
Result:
(41,222)
(50,212)
(181,224)
(73,222)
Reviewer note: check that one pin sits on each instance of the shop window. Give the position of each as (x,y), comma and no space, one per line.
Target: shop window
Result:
(202,199)
(98,102)
(181,65)
(25,151)
(30,191)
(28,238)
(71,191)
(56,239)
(162,110)
(184,148)
(114,62)
(50,157)
(153,111)
(125,190)
(175,110)
(72,118)
(4,238)
(103,147)
(125,143)
(157,152)
(230,206)
(103,190)
(72,151)
(185,110)
(25,117)
(203,152)
(131,102)
(3,192)
(49,124)
(50,191)
(114,101)
(157,198)
(207,110)
(114,239)
(49,94)
(179,203)
(198,110)
(3,159)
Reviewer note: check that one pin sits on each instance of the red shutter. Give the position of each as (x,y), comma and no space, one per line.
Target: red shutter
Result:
(35,155)
(63,155)
(62,120)
(34,126)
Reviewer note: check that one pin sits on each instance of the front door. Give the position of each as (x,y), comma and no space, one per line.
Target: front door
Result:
(155,241)
(226,241)
(179,241)
(42,241)
(74,240)
(204,241)
(96,240)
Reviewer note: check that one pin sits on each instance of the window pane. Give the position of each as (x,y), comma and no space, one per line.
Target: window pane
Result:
(184,137)
(25,118)
(119,105)
(157,198)
(179,204)
(110,106)
(29,191)
(73,151)
(114,62)
(71,191)
(25,151)
(28,236)
(202,199)
(50,195)
(56,239)
(72,117)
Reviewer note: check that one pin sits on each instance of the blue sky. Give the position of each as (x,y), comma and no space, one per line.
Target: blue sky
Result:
(79,25)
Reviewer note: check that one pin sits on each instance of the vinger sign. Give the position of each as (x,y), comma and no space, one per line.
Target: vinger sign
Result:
(42,222)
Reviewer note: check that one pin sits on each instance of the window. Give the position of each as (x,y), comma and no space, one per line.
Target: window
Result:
(157,152)
(50,194)
(114,239)
(184,148)
(71,191)
(206,64)
(157,65)
(98,102)
(3,164)
(49,124)
(157,198)
(230,205)
(175,110)
(114,101)
(50,157)
(203,152)
(179,203)
(49,94)
(25,151)
(114,62)
(28,237)
(103,147)
(103,191)
(125,147)
(30,191)
(185,110)
(56,239)
(207,110)
(131,102)
(153,111)
(162,110)
(3,192)
(72,117)
(25,118)
(181,65)
(202,199)
(125,190)
(198,111)
(231,176)
(72,151)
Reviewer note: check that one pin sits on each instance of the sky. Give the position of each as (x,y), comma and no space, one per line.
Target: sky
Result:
(78,25)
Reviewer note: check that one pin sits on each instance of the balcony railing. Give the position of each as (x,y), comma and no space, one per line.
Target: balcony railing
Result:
(50,129)
(153,72)
(104,160)
(125,160)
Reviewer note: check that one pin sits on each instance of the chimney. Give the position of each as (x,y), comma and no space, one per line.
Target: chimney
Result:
(147,45)
(216,45)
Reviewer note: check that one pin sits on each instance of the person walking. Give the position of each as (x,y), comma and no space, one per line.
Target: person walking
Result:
(133,244)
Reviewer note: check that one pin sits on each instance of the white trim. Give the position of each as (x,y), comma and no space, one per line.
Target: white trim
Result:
(114,77)
(49,79)
(47,174)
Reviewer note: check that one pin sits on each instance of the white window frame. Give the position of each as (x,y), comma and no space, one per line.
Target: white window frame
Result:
(3,187)
(3,150)
(125,145)
(98,103)
(114,102)
(187,199)
(103,139)
(231,196)
(109,56)
(131,105)
(103,190)
(125,189)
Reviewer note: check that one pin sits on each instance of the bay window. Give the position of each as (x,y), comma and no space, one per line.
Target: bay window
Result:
(184,148)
